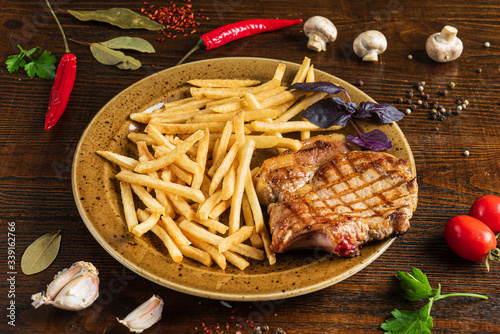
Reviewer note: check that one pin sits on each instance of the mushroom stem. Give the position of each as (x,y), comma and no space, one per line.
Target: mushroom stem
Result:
(447,34)
(371,56)
(316,42)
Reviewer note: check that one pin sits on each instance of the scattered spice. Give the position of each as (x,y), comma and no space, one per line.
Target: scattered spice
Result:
(479,70)
(408,111)
(410,57)
(420,88)
(360,83)
(399,100)
(487,44)
(176,19)
(466,153)
(452,85)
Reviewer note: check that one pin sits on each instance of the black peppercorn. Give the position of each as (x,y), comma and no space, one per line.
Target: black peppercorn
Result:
(425,104)
(447,112)
(409,101)
(399,100)
(432,116)
(361,83)
(435,105)
(442,117)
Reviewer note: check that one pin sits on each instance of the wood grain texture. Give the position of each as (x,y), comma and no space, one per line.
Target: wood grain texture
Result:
(35,165)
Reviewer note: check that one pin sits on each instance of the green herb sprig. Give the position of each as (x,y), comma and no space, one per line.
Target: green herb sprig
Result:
(417,287)
(42,65)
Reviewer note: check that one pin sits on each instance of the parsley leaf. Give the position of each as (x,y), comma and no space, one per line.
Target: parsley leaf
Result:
(409,322)
(416,284)
(43,65)
(417,287)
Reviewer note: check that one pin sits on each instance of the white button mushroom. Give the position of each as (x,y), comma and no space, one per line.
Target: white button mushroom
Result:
(369,45)
(320,31)
(444,46)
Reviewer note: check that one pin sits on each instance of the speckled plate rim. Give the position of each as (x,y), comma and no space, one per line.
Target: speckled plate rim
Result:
(235,295)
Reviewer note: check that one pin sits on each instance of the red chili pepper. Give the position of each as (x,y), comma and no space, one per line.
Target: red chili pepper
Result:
(238,30)
(63,83)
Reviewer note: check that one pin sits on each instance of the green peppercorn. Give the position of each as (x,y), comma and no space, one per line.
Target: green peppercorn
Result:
(452,84)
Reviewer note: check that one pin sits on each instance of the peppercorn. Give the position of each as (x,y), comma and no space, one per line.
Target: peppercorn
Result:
(466,102)
(447,112)
(479,70)
(419,102)
(457,112)
(434,111)
(361,83)
(265,328)
(442,117)
(408,111)
(435,105)
(442,110)
(409,101)
(257,331)
(414,106)
(425,104)
(399,100)
(279,331)
(487,44)
(464,106)
(459,108)
(420,88)
(452,85)
(466,153)
(426,96)
(410,57)
(422,94)
(422,83)
(432,116)
(410,93)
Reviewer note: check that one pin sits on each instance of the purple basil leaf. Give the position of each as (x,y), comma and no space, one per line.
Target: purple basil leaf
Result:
(329,112)
(381,113)
(375,140)
(320,86)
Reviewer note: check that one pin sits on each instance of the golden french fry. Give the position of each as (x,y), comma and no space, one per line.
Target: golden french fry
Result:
(172,248)
(269,93)
(209,204)
(265,141)
(218,258)
(181,206)
(201,159)
(196,254)
(223,168)
(137,137)
(266,240)
(146,180)
(143,151)
(252,102)
(219,83)
(174,231)
(221,148)
(219,209)
(254,203)
(142,117)
(169,118)
(228,182)
(212,224)
(255,239)
(239,186)
(310,74)
(229,107)
(215,103)
(173,129)
(146,225)
(217,93)
(170,157)
(239,128)
(236,260)
(280,72)
(146,198)
(299,107)
(161,197)
(289,127)
(118,159)
(277,99)
(181,174)
(236,238)
(183,162)
(302,72)
(128,206)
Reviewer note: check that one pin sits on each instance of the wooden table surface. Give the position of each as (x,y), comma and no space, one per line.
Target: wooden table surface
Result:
(35,165)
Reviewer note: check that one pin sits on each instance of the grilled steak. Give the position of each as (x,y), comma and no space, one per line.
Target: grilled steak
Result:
(326,196)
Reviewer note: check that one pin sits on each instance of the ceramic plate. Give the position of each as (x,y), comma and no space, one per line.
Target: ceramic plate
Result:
(97,196)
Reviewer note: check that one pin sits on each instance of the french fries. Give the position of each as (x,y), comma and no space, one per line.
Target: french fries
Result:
(194,165)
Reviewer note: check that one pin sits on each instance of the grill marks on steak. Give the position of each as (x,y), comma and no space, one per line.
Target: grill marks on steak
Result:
(337,203)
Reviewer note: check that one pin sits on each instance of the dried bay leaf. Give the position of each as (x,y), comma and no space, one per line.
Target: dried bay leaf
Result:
(41,253)
(120,17)
(129,64)
(105,55)
(130,43)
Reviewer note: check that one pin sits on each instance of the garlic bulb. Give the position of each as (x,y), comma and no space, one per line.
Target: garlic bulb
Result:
(144,316)
(72,289)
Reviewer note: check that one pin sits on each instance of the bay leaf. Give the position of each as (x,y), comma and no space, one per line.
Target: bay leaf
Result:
(120,17)
(105,55)
(130,43)
(129,64)
(41,253)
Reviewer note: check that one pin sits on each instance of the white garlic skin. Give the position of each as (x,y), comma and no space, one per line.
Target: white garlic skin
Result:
(73,289)
(144,316)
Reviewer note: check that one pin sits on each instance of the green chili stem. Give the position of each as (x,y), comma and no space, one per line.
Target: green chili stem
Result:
(59,25)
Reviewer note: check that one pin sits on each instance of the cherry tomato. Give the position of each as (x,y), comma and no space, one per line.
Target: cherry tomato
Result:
(487,210)
(469,238)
